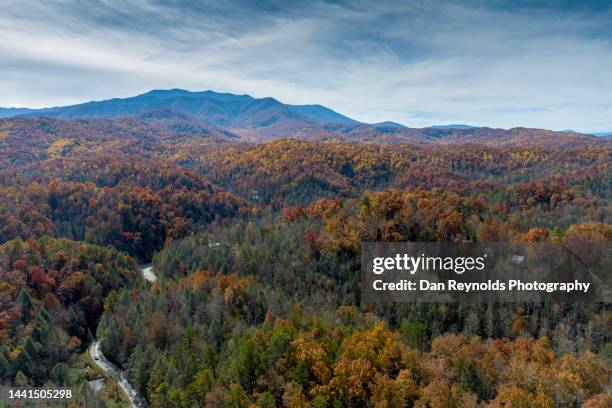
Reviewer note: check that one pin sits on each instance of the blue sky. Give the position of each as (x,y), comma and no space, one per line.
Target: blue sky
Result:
(496,63)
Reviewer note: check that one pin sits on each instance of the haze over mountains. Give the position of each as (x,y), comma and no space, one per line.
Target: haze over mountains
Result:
(262,119)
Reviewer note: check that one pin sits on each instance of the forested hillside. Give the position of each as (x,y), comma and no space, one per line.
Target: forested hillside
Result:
(248,330)
(243,329)
(291,171)
(136,207)
(257,250)
(103,184)
(137,183)
(52,294)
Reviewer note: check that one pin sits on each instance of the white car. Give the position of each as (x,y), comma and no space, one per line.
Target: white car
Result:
(96,356)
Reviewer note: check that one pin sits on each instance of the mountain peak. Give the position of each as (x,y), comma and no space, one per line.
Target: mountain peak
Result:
(177,92)
(165,92)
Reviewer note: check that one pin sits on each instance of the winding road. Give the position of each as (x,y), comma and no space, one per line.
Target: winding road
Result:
(136,400)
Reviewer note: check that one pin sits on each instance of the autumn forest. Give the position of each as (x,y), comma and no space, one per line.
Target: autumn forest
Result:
(253,224)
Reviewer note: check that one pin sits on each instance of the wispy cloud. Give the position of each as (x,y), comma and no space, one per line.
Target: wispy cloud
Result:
(486,63)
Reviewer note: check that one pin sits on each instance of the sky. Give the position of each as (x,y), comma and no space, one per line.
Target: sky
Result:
(545,64)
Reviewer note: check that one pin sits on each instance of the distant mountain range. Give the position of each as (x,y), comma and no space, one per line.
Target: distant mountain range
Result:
(453,126)
(225,116)
(599,134)
(222,109)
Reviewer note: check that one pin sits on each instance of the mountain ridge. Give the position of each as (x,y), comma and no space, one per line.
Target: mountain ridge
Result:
(232,116)
(222,109)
